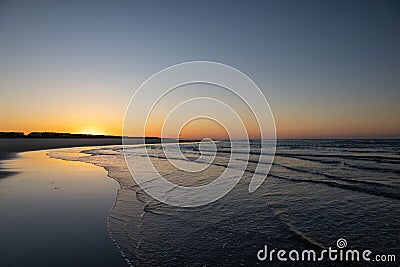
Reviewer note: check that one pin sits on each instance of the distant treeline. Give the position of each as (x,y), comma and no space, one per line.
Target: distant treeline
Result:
(11,134)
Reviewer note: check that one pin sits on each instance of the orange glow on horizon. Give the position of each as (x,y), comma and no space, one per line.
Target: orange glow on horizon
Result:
(287,127)
(203,129)
(92,131)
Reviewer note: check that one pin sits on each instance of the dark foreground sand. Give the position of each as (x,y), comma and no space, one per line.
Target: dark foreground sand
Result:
(11,145)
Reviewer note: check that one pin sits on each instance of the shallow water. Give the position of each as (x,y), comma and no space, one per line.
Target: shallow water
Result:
(317,192)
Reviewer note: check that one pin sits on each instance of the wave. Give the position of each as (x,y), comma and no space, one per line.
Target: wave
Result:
(333,177)
(340,162)
(374,158)
(339,185)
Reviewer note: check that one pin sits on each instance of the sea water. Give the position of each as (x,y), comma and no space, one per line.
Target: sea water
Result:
(317,192)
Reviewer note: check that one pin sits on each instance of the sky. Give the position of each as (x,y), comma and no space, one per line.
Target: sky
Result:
(327,68)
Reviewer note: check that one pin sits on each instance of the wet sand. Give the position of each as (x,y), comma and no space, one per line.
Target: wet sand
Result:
(54,213)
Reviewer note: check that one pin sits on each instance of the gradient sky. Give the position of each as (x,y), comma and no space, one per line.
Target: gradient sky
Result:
(328,68)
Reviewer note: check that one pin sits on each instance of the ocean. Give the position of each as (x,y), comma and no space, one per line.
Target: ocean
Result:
(317,191)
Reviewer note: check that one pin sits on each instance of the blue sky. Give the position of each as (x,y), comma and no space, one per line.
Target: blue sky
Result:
(328,68)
